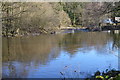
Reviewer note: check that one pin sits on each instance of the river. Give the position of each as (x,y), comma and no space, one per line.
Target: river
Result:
(69,55)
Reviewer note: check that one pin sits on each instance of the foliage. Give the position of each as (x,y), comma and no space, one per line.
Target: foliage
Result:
(31,17)
(74,10)
(108,75)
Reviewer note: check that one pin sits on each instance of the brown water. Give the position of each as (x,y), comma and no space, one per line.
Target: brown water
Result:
(76,55)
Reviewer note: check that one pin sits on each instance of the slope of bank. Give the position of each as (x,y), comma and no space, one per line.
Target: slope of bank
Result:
(33,18)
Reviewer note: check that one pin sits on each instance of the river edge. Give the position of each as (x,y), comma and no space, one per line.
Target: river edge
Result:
(59,32)
(39,31)
(108,75)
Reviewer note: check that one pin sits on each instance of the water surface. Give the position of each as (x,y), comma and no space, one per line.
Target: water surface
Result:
(75,55)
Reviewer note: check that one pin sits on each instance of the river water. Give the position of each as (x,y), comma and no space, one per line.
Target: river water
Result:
(69,55)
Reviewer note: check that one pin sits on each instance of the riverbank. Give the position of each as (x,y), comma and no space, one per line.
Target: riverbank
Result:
(108,75)
(39,31)
(30,32)
(104,28)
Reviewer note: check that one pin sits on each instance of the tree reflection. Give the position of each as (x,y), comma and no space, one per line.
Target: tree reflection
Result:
(22,54)
(116,39)
(96,40)
(27,51)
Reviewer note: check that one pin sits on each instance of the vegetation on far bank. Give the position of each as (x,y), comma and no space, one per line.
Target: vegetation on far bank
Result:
(24,18)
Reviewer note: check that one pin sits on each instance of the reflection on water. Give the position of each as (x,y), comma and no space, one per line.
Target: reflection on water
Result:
(45,56)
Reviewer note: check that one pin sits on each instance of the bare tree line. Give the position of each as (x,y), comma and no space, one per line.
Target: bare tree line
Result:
(33,17)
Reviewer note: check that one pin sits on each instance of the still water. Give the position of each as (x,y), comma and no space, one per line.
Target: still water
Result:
(70,55)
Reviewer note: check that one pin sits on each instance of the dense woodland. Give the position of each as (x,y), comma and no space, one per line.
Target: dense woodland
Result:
(26,18)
